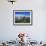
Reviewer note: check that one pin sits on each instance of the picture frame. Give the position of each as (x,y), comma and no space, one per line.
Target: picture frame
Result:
(22,17)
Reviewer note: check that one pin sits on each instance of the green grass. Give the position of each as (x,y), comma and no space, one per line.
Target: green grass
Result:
(27,20)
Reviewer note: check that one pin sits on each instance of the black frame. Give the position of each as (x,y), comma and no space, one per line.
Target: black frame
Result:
(23,24)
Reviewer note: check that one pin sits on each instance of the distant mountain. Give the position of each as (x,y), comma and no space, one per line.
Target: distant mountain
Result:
(20,17)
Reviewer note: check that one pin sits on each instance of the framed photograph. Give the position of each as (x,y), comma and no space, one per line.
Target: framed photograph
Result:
(22,17)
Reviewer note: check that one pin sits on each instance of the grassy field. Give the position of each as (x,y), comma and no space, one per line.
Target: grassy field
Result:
(23,20)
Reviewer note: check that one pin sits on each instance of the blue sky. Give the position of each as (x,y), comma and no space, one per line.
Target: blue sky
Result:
(22,13)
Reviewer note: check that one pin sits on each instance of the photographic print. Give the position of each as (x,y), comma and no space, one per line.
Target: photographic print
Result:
(22,16)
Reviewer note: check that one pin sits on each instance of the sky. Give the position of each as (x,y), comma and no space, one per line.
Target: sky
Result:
(22,13)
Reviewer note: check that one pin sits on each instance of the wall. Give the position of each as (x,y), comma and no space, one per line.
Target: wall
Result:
(37,31)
